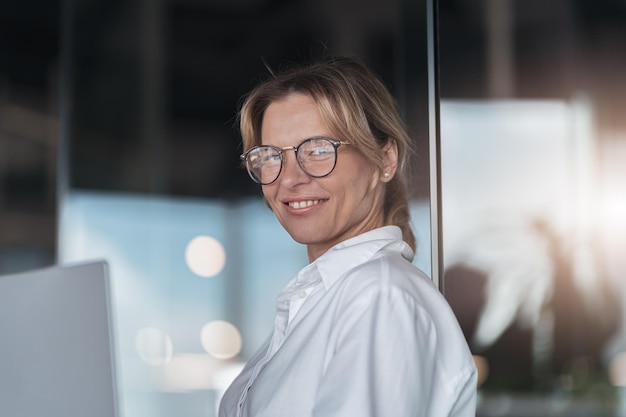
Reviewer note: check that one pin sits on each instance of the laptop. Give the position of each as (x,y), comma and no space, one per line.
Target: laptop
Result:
(56,343)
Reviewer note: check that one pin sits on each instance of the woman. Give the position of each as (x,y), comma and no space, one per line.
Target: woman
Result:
(359,331)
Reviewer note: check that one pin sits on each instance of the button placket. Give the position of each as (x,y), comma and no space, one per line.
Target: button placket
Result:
(296,302)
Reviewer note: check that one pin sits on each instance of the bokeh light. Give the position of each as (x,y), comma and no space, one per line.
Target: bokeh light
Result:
(221,339)
(205,256)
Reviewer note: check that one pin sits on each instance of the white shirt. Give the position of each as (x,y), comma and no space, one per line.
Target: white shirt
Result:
(359,332)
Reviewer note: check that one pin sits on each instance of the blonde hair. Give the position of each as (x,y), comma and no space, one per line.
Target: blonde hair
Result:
(356,106)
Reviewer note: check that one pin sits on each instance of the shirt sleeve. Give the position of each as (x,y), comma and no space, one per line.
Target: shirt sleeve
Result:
(384,361)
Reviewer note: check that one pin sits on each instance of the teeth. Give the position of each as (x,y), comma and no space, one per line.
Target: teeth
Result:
(303,204)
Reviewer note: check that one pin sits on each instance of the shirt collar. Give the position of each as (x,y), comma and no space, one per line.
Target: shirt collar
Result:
(354,251)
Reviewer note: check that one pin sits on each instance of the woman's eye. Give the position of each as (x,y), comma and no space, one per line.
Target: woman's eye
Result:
(320,151)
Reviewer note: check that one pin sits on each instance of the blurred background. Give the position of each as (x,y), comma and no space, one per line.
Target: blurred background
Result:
(117,141)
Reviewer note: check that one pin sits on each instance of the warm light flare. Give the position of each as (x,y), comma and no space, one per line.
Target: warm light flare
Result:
(614,209)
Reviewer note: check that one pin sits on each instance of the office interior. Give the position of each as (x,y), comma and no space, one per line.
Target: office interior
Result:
(118,141)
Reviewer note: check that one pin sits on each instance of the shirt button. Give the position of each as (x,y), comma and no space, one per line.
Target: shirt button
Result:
(302,294)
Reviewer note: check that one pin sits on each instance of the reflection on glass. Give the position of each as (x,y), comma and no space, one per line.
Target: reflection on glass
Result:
(524,264)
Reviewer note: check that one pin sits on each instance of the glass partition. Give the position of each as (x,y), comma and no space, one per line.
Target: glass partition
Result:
(533,201)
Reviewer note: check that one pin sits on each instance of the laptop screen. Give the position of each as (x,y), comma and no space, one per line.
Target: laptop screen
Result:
(56,350)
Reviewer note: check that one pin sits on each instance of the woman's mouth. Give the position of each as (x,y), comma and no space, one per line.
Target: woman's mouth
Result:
(304,203)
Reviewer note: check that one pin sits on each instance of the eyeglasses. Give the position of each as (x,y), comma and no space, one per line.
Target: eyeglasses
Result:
(316,156)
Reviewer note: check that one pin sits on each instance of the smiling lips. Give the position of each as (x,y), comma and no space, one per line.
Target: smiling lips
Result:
(304,204)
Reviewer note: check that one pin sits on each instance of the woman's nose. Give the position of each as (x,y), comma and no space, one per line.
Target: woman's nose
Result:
(292,172)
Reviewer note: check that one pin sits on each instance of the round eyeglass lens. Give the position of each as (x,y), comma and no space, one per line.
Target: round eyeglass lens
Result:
(317,156)
(264,164)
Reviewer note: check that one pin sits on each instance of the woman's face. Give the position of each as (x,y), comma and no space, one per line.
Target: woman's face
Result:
(319,212)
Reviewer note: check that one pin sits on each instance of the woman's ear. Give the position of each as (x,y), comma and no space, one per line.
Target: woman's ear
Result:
(390,160)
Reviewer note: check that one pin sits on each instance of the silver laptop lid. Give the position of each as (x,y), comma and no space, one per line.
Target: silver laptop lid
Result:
(56,350)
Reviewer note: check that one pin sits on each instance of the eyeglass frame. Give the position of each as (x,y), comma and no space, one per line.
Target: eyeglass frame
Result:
(336,144)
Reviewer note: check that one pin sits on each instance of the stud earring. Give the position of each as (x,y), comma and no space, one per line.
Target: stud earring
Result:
(386,174)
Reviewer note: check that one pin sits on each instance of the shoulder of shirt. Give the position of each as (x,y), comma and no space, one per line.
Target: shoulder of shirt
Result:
(399,281)
(389,271)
